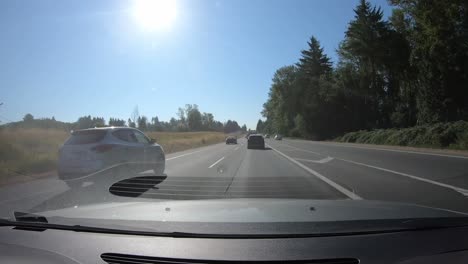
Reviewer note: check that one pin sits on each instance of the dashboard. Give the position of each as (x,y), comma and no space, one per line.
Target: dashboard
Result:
(447,245)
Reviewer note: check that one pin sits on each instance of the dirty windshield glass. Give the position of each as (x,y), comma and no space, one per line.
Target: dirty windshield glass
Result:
(233,111)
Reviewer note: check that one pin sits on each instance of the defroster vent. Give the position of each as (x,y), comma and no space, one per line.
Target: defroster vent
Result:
(114,258)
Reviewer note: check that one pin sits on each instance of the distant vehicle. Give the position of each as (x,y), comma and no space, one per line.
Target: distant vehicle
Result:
(231,140)
(255,141)
(278,137)
(90,150)
(267,136)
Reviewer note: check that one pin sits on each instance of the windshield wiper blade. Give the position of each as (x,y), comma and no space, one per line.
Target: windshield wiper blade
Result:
(40,226)
(27,221)
(28,217)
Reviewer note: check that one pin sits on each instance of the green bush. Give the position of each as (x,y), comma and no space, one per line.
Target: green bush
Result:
(440,135)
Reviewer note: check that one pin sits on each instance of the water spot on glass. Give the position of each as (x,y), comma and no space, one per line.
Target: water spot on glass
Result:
(221,169)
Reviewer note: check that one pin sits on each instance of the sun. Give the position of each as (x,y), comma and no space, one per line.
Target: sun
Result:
(155,15)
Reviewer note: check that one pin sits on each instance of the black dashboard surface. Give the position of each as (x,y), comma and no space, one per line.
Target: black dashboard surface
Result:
(448,245)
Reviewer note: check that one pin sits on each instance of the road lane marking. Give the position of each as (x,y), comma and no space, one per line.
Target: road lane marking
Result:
(212,165)
(392,150)
(333,184)
(183,155)
(99,171)
(303,150)
(458,189)
(325,160)
(125,163)
(236,148)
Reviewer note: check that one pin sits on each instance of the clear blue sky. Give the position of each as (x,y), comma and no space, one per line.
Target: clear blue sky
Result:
(72,58)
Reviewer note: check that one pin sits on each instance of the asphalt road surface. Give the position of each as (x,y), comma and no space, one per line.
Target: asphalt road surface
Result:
(285,169)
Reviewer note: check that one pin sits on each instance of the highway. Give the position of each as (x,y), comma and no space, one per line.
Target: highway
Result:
(285,169)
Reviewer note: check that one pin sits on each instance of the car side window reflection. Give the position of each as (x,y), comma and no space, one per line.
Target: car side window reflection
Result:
(140,137)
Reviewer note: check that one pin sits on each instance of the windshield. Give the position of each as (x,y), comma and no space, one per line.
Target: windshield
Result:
(280,111)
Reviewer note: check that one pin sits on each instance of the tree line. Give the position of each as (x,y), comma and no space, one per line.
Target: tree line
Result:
(408,70)
(189,119)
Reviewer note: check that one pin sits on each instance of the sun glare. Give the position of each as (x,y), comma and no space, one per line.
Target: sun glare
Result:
(155,15)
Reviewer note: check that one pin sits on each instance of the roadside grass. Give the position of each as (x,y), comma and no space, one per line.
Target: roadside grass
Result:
(441,136)
(25,152)
(178,141)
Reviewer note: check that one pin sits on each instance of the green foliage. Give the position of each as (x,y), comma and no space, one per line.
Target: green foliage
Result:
(440,135)
(190,119)
(231,126)
(28,118)
(405,71)
(89,122)
(438,31)
(194,118)
(131,123)
(142,123)
(244,128)
(116,122)
(260,126)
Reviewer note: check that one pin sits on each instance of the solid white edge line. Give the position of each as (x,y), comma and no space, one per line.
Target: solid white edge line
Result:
(333,184)
(458,189)
(212,165)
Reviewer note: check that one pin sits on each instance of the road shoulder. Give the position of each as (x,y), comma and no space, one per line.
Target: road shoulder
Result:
(442,152)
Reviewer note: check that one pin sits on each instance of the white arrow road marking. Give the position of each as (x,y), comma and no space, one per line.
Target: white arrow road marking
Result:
(333,184)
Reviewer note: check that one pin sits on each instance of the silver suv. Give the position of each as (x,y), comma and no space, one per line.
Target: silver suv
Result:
(91,150)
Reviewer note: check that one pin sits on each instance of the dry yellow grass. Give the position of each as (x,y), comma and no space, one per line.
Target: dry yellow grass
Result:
(26,151)
(34,151)
(178,141)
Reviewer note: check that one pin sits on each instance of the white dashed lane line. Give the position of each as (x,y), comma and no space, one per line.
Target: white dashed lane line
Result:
(212,165)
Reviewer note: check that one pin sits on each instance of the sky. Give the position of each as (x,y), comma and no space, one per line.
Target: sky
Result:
(68,59)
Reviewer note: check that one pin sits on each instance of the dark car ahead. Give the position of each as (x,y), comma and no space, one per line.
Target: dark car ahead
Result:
(231,140)
(255,141)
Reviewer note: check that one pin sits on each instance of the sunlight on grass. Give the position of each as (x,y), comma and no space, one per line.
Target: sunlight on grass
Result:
(32,151)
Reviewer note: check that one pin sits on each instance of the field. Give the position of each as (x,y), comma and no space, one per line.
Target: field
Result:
(26,152)
(441,136)
(178,141)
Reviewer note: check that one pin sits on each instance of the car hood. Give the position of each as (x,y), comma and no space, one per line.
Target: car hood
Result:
(252,210)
